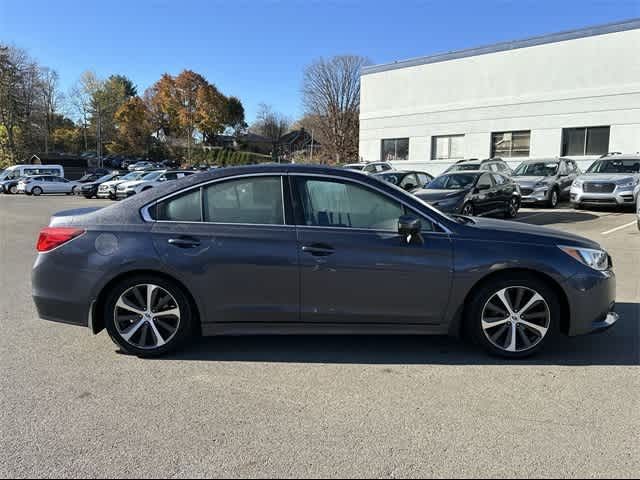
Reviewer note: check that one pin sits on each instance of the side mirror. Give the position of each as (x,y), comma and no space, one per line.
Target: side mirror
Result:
(409,227)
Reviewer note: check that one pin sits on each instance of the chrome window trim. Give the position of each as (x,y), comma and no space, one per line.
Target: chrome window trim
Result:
(146,216)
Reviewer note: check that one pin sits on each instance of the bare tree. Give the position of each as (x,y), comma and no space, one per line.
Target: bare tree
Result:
(51,101)
(331,95)
(79,101)
(272,125)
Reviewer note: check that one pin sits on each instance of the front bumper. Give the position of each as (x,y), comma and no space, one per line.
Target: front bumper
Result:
(121,195)
(616,198)
(591,296)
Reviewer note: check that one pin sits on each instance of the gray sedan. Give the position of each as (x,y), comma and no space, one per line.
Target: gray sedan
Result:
(294,249)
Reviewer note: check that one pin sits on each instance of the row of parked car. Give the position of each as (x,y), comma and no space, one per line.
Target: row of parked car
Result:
(485,187)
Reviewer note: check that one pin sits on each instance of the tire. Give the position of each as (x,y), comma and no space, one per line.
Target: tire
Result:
(126,328)
(512,207)
(36,191)
(554,198)
(485,306)
(13,190)
(467,209)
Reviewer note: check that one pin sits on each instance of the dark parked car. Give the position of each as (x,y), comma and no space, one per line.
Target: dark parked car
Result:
(546,181)
(90,190)
(10,186)
(407,180)
(473,193)
(300,249)
(488,164)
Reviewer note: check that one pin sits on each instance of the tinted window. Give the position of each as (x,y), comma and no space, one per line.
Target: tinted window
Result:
(184,208)
(456,181)
(329,203)
(585,141)
(423,179)
(395,149)
(510,144)
(253,200)
(485,180)
(499,179)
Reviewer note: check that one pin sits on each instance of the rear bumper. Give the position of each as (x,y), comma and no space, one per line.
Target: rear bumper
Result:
(591,298)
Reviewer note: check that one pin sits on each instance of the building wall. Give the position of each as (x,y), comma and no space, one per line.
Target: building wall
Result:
(590,81)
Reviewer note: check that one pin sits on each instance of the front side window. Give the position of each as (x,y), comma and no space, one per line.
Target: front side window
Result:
(585,141)
(333,203)
(395,149)
(447,147)
(454,181)
(511,144)
(249,200)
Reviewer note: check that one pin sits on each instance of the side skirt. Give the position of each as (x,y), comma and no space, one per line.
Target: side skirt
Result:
(213,329)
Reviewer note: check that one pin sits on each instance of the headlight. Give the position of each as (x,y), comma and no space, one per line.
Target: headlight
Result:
(541,186)
(629,184)
(596,259)
(577,183)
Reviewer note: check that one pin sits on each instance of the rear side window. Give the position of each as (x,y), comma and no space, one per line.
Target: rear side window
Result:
(250,200)
(485,181)
(182,208)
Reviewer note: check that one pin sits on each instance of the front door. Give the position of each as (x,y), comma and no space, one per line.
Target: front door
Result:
(230,240)
(355,268)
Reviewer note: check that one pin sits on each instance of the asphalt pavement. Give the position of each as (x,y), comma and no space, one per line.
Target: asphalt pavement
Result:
(355,406)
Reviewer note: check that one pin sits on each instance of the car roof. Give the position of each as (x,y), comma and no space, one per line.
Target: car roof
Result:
(620,157)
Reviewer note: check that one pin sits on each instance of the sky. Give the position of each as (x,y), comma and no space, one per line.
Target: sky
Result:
(257,50)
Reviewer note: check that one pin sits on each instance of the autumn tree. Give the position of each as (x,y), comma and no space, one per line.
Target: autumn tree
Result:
(134,127)
(234,116)
(331,96)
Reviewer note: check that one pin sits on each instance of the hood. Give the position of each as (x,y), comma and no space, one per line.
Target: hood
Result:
(529,180)
(429,195)
(527,233)
(607,177)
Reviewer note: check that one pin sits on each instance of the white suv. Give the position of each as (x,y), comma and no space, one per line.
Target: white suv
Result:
(150,180)
(610,180)
(40,184)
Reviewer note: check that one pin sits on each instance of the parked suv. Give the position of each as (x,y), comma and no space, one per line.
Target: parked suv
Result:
(610,180)
(150,180)
(491,164)
(546,181)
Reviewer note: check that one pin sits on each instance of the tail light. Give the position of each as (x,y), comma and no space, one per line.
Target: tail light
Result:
(53,237)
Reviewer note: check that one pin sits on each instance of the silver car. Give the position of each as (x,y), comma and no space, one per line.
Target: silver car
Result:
(546,180)
(609,181)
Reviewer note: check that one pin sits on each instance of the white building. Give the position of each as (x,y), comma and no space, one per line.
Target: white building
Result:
(575,94)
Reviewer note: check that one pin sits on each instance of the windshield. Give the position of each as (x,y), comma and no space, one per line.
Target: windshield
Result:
(105,178)
(9,175)
(465,167)
(133,176)
(453,182)
(389,177)
(615,166)
(538,169)
(354,167)
(151,176)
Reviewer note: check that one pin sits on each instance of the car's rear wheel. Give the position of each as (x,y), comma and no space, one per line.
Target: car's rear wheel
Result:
(513,316)
(37,191)
(554,198)
(467,209)
(13,189)
(148,316)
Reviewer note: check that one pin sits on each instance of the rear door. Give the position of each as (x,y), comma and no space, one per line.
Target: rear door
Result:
(234,244)
(486,200)
(355,268)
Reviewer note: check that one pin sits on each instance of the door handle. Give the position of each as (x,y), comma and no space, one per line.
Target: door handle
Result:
(184,242)
(318,250)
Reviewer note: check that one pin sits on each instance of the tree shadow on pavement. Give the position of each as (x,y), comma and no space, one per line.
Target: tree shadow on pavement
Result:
(617,346)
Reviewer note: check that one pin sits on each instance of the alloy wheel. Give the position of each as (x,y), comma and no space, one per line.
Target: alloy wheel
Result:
(37,191)
(513,208)
(147,316)
(516,319)
(554,199)
(467,210)
(13,190)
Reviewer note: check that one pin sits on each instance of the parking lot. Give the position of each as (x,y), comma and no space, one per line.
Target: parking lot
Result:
(315,406)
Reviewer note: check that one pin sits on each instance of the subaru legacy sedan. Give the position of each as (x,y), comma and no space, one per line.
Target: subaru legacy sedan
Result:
(294,249)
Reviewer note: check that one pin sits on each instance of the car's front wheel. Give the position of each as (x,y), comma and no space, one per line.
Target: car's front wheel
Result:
(467,209)
(37,191)
(512,208)
(513,316)
(148,316)
(554,198)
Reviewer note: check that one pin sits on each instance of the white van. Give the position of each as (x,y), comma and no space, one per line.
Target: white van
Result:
(16,171)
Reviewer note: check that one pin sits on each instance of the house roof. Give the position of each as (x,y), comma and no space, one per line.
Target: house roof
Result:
(625,25)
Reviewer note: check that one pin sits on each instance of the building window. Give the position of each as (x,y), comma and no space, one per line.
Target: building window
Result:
(447,147)
(585,141)
(395,149)
(511,144)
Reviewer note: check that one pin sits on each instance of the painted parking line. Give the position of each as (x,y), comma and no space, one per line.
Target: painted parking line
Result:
(621,227)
